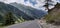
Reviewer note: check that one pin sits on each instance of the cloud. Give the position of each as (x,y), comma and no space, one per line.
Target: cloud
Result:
(58,1)
(9,1)
(27,2)
(54,3)
(33,3)
(50,7)
(1,0)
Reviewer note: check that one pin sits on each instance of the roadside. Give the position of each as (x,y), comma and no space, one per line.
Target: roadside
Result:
(45,25)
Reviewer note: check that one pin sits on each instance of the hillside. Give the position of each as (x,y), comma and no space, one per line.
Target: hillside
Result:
(35,13)
(23,12)
(54,15)
(5,8)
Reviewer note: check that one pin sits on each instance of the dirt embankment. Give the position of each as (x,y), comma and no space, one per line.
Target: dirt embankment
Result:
(45,25)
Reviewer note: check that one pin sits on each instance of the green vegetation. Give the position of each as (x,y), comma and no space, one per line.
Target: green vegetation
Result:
(2,27)
(9,18)
(10,15)
(20,20)
(7,13)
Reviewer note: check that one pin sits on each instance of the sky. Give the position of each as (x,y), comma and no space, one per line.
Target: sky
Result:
(38,4)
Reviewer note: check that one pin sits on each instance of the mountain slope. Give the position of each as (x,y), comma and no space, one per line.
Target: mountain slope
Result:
(5,8)
(30,11)
(27,13)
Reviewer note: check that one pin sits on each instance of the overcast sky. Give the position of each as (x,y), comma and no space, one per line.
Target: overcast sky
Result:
(33,3)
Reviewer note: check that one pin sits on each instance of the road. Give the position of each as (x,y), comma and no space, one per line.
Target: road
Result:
(34,24)
(27,24)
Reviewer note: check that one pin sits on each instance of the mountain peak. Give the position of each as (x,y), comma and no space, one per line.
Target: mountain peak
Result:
(13,3)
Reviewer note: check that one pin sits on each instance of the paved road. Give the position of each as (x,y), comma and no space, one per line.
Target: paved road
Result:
(28,24)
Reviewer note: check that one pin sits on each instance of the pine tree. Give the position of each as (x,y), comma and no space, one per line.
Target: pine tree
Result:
(9,19)
(47,4)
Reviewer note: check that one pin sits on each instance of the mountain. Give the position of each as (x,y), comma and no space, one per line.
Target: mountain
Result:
(35,13)
(5,8)
(18,10)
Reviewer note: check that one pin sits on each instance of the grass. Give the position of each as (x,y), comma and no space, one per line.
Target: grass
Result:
(20,20)
(2,26)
